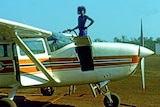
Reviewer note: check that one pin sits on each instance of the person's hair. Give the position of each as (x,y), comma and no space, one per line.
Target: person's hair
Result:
(80,9)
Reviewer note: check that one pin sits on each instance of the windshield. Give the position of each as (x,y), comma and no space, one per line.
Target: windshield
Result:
(57,41)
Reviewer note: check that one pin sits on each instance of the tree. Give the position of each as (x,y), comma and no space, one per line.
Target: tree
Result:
(99,40)
(122,39)
(116,39)
(158,40)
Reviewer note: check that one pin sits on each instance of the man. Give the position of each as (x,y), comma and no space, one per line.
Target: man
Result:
(82,20)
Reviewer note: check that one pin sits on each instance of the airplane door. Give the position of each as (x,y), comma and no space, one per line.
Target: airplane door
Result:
(29,72)
(7,66)
(6,60)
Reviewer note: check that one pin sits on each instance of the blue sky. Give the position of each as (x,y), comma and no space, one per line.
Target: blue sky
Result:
(113,18)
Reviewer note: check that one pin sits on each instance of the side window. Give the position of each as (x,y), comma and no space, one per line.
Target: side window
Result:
(36,46)
(4,50)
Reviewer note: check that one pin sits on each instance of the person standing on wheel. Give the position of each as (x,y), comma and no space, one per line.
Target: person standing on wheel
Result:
(82,20)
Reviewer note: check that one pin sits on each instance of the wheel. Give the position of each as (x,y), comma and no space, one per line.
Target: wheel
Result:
(116,101)
(47,91)
(6,102)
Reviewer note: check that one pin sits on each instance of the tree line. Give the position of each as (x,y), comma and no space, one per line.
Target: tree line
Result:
(149,42)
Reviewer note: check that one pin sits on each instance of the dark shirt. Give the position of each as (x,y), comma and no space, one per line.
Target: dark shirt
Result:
(81,22)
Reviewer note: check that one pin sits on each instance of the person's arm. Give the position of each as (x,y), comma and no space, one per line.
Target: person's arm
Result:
(91,22)
(71,29)
(75,28)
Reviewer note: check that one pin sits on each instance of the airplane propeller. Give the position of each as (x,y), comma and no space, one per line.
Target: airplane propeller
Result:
(142,59)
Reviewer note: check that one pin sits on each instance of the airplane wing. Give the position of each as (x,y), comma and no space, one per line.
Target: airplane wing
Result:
(8,29)
(13,31)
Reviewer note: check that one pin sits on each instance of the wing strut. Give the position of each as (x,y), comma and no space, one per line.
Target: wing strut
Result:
(29,53)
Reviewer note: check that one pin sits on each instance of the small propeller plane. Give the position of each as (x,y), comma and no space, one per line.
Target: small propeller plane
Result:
(33,57)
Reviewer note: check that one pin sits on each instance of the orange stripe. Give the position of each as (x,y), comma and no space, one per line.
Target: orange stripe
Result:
(135,59)
(25,61)
(33,68)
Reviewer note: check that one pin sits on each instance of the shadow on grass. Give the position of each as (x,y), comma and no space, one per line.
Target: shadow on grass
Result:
(21,101)
(127,105)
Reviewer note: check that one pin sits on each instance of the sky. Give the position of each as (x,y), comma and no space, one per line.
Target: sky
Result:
(112,18)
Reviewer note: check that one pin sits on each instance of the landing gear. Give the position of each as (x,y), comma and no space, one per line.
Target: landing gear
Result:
(47,91)
(110,100)
(115,101)
(6,102)
(72,89)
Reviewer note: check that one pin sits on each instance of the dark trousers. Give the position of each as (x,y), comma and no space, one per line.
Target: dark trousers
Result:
(85,56)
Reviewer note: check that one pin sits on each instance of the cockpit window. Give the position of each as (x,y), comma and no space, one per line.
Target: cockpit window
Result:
(4,50)
(57,41)
(36,46)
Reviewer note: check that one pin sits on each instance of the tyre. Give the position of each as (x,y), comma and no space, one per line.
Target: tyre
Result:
(47,91)
(6,102)
(116,101)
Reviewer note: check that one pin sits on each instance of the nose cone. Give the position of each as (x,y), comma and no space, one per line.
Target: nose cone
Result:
(144,52)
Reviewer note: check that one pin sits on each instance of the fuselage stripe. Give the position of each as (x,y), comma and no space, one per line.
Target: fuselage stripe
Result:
(27,66)
(72,63)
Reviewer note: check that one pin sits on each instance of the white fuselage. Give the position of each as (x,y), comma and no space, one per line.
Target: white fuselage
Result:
(112,61)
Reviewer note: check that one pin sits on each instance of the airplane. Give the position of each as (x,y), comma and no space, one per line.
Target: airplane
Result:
(34,57)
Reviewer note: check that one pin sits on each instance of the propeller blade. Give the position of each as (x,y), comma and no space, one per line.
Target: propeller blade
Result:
(142,59)
(143,75)
(141,38)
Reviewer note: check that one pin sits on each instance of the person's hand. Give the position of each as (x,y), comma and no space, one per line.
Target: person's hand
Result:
(85,27)
(69,30)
